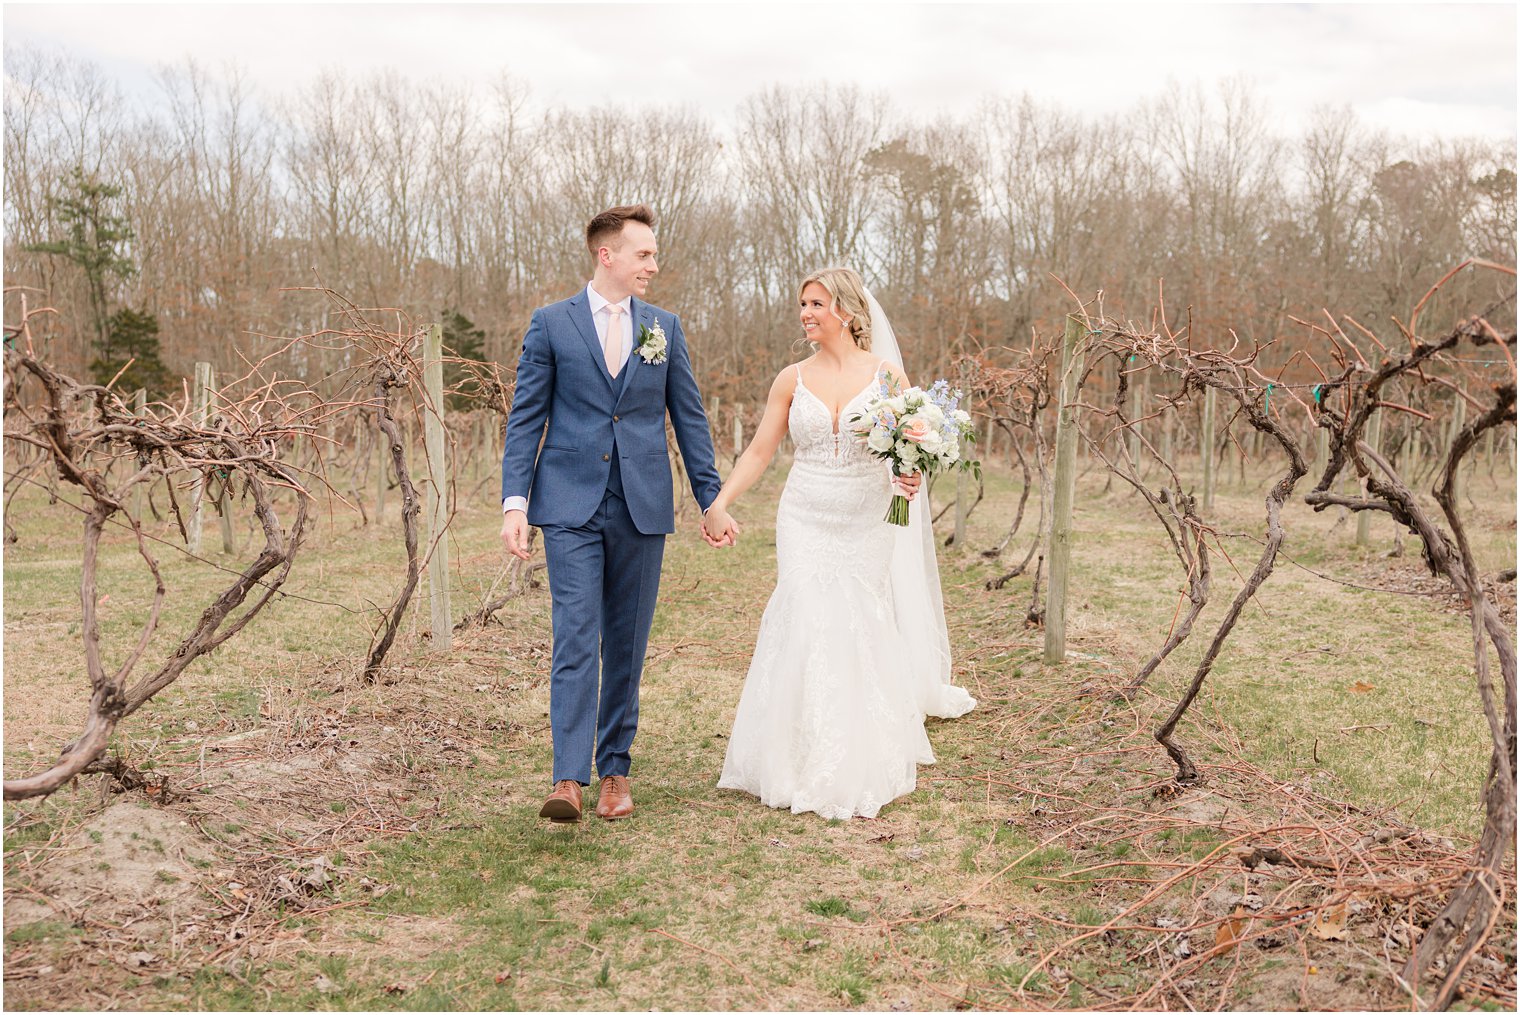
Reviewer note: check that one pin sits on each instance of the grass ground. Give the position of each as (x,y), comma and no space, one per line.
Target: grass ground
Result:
(320,843)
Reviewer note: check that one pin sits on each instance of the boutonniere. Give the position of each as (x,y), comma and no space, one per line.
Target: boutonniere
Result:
(652,343)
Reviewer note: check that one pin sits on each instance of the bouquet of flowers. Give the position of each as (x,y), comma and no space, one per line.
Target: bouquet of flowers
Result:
(915,431)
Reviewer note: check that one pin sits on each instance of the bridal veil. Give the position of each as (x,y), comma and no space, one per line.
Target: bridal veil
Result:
(918,603)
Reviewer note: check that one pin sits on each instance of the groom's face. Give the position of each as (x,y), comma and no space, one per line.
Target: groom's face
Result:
(629,259)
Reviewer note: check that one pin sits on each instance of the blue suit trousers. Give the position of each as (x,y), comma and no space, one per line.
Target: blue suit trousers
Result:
(604,578)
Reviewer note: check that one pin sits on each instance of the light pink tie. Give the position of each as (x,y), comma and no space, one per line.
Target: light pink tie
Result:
(614,344)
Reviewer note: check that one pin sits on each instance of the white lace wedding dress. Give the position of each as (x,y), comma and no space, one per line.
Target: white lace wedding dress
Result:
(831,718)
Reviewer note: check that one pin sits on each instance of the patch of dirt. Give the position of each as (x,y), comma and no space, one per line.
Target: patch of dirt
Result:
(126,882)
(141,858)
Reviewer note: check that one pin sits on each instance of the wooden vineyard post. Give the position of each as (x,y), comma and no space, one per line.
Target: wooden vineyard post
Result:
(478,458)
(1136,406)
(1416,458)
(223,498)
(139,409)
(1059,551)
(382,456)
(489,460)
(1206,448)
(1458,421)
(200,396)
(438,491)
(1374,437)
(1400,458)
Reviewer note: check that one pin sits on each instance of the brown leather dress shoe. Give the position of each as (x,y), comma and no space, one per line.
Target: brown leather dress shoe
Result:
(614,800)
(564,805)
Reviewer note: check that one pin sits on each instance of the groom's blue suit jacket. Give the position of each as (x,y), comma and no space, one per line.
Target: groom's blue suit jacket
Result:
(587,417)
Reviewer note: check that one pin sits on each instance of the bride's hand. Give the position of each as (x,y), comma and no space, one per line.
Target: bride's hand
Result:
(719,528)
(908,485)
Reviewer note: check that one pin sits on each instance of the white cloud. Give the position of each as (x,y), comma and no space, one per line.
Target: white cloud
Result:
(1413,69)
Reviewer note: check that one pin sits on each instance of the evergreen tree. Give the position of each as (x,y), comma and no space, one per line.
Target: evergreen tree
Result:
(461,339)
(132,335)
(93,237)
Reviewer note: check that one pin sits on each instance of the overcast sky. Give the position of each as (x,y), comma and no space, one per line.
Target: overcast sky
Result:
(1417,69)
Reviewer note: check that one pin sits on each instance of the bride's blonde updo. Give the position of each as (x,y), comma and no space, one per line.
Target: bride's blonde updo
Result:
(849,294)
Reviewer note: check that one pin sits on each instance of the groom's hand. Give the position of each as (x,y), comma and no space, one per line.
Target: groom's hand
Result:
(514,533)
(908,485)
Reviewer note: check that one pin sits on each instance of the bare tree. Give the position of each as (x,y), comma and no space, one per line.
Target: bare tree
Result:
(800,153)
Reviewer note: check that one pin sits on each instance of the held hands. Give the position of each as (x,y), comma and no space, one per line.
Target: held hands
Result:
(719,528)
(908,485)
(514,533)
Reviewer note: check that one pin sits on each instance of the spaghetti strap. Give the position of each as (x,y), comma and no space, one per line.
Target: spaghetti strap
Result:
(798,367)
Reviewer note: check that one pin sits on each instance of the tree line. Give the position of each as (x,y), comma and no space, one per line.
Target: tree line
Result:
(164,229)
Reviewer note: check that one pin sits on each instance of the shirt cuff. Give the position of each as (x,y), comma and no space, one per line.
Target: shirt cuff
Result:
(514,504)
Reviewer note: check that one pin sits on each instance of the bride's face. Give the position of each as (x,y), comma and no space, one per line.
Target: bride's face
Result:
(820,322)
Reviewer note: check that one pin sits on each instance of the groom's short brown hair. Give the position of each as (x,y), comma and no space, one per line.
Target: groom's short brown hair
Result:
(610,223)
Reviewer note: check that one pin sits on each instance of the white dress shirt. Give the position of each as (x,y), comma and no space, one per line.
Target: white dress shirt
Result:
(598,305)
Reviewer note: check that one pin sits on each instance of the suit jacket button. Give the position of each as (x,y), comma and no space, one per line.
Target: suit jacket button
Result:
(606,458)
(616,418)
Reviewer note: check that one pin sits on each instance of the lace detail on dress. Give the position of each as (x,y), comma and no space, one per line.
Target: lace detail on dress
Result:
(813,430)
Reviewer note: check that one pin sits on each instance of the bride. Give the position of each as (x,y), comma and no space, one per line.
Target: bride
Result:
(853,650)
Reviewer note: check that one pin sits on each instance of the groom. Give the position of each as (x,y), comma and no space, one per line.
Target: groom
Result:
(597,375)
